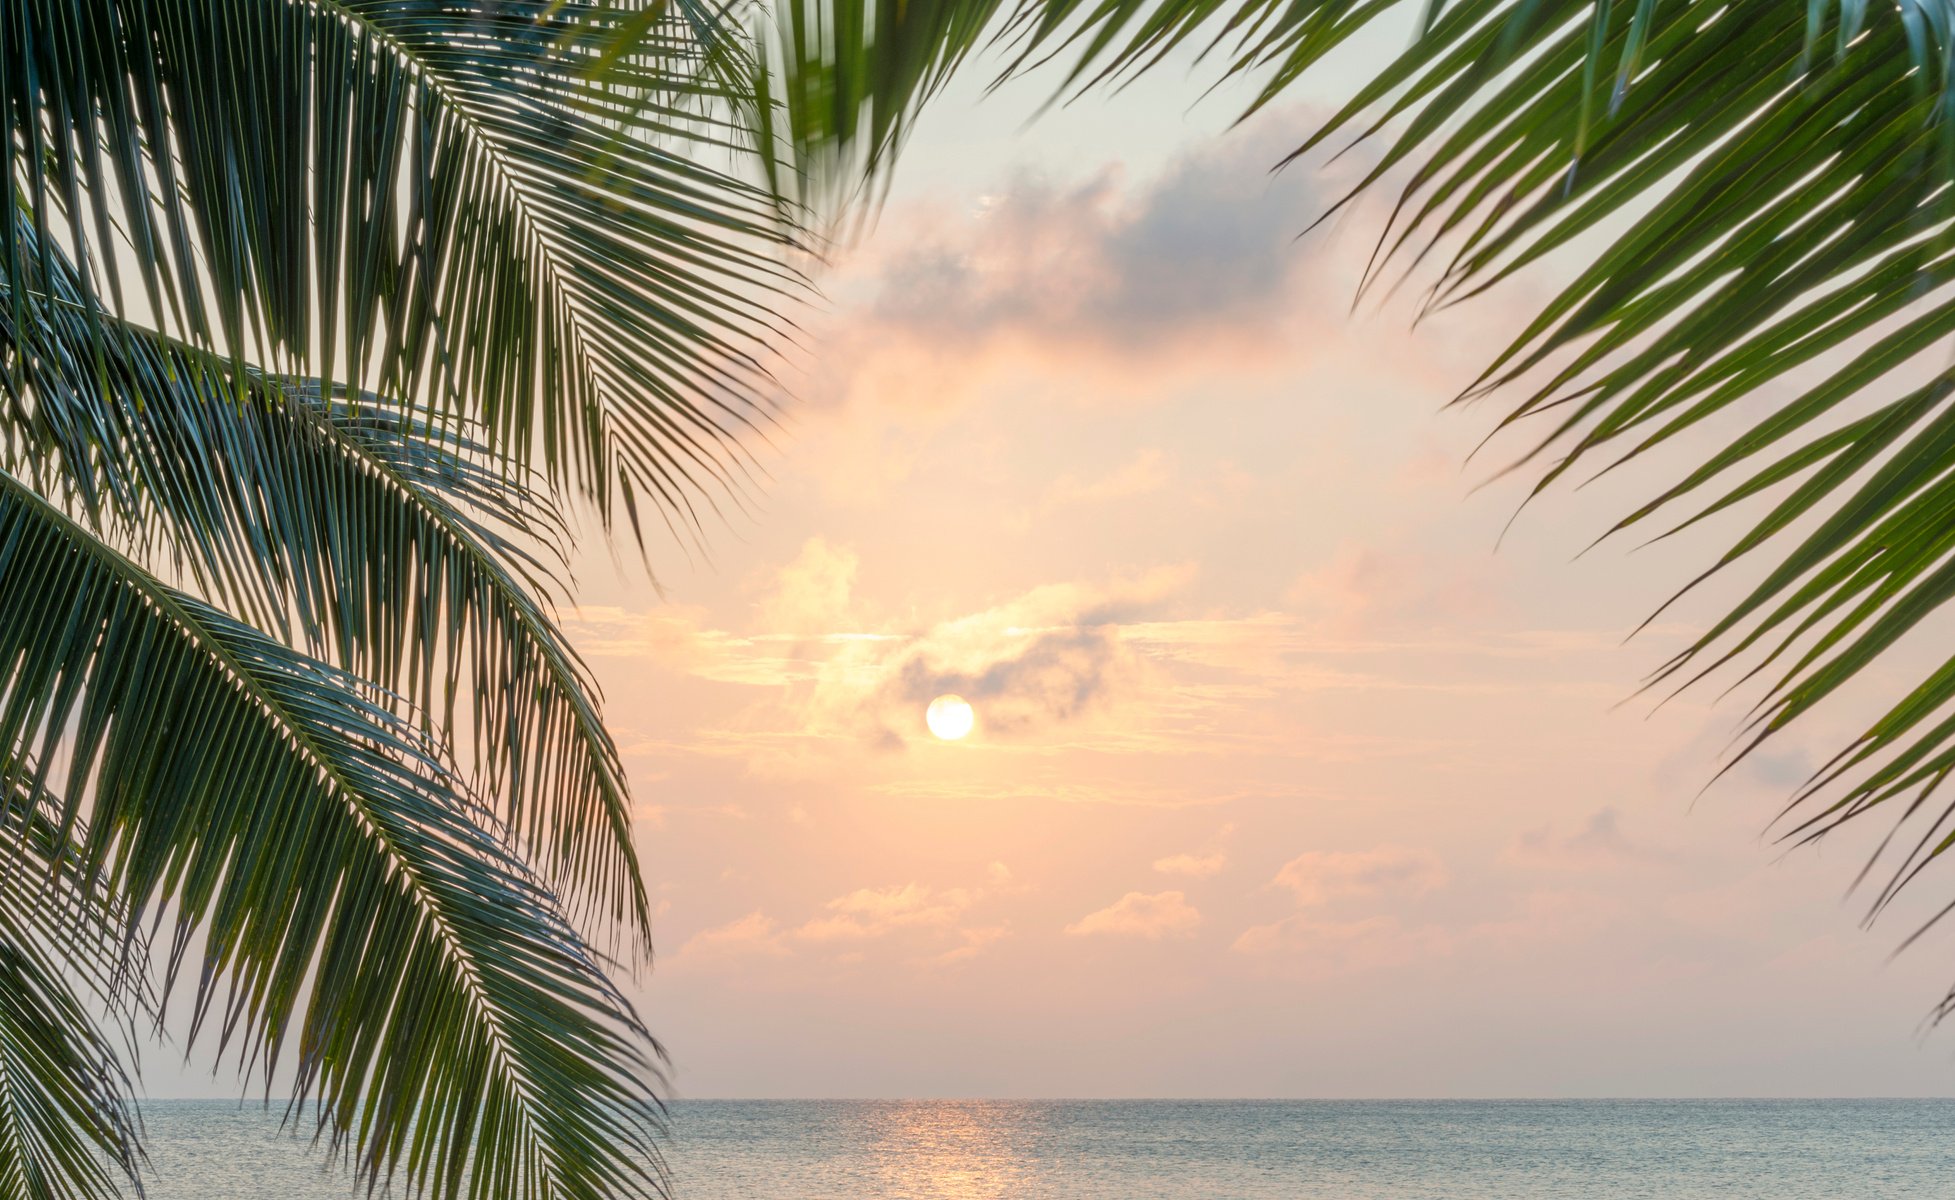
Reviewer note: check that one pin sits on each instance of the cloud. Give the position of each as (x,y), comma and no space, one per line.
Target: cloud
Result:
(1048,677)
(875,912)
(1318,877)
(755,933)
(1148,471)
(1599,842)
(975,942)
(1119,665)
(1072,793)
(1199,866)
(1051,656)
(811,595)
(680,638)
(1203,250)
(1039,667)
(1137,914)
(657,816)
(930,923)
(1364,589)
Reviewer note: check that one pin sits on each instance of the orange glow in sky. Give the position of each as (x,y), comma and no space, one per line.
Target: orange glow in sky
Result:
(1286,782)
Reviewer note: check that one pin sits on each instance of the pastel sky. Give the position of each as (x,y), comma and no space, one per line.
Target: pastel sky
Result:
(1285,781)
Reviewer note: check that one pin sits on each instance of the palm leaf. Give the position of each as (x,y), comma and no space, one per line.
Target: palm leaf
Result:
(65,1130)
(67,1125)
(835,86)
(489,212)
(358,923)
(406,553)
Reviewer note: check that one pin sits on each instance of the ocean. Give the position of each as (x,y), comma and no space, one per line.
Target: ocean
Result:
(1195,1150)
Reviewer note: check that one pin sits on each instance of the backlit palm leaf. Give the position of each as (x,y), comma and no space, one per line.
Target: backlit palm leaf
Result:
(354,912)
(405,552)
(1760,194)
(67,1126)
(319,309)
(64,1130)
(499,214)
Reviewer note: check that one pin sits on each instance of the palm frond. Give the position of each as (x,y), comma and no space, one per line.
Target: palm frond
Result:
(1784,183)
(500,215)
(65,1127)
(358,922)
(836,86)
(68,1128)
(351,525)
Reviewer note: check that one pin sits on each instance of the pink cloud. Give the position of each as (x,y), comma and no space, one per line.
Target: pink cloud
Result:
(1146,472)
(1137,914)
(929,923)
(975,942)
(755,933)
(874,912)
(1317,876)
(811,595)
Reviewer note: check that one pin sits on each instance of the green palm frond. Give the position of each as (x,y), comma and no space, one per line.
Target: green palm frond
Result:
(68,1128)
(1759,193)
(358,922)
(406,552)
(492,213)
(322,310)
(65,1128)
(836,85)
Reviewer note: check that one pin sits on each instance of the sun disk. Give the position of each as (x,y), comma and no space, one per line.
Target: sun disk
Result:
(949,717)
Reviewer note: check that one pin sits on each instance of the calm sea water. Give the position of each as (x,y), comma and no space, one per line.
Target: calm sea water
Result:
(1179,1150)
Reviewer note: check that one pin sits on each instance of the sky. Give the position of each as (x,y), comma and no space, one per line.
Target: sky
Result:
(1290,776)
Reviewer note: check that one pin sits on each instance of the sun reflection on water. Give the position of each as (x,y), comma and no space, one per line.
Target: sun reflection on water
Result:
(969,1150)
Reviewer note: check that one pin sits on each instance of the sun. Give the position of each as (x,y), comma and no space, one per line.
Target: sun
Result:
(949,717)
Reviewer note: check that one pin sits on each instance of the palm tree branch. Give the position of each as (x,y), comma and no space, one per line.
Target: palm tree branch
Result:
(68,1127)
(448,1020)
(400,548)
(425,201)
